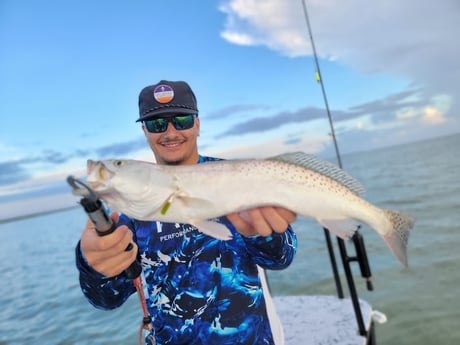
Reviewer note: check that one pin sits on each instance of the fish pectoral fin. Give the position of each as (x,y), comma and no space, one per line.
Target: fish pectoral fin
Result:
(343,228)
(211,228)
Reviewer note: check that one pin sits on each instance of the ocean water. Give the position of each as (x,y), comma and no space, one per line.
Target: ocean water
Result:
(41,302)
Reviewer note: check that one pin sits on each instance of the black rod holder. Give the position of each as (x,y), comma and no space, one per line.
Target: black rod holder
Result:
(362,259)
(352,287)
(335,271)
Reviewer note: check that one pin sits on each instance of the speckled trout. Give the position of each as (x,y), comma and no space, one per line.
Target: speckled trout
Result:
(195,194)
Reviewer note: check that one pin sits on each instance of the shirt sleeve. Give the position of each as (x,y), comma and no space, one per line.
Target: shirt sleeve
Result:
(273,252)
(101,291)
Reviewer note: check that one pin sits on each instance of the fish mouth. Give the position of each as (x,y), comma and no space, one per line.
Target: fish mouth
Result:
(97,174)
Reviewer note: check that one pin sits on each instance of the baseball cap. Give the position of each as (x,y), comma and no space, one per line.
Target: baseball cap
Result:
(166,97)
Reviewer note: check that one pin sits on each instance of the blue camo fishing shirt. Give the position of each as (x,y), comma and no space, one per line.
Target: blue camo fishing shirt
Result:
(200,290)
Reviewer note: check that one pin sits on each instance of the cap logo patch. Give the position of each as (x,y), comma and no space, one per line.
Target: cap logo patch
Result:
(163,93)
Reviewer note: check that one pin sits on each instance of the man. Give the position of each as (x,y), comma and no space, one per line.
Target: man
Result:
(200,290)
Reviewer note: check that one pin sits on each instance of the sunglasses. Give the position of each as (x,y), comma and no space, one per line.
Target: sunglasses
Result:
(160,124)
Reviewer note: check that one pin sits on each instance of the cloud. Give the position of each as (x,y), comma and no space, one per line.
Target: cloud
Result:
(235,109)
(270,23)
(390,103)
(261,124)
(388,110)
(269,148)
(12,172)
(11,209)
(22,169)
(398,118)
(431,115)
(121,148)
(26,167)
(33,188)
(406,114)
(240,39)
(410,39)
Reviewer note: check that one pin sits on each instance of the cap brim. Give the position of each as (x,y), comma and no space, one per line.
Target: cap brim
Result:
(165,111)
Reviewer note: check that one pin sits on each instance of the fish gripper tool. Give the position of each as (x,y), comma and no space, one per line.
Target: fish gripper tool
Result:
(96,211)
(105,225)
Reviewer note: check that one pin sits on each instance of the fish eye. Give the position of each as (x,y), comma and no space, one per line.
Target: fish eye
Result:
(119,163)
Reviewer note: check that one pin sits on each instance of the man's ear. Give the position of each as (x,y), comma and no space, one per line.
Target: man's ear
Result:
(144,129)
(197,120)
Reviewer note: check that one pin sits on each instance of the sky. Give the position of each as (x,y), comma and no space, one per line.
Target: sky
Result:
(71,72)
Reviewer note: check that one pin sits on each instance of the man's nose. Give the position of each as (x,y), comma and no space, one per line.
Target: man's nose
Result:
(170,128)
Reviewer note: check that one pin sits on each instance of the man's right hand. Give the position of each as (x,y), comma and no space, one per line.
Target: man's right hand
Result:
(107,254)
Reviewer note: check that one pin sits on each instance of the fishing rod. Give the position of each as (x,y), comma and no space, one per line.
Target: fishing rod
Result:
(319,79)
(357,238)
(104,225)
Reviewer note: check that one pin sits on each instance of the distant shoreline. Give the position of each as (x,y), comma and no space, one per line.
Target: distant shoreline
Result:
(36,214)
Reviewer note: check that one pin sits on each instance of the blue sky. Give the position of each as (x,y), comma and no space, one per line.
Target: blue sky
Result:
(71,72)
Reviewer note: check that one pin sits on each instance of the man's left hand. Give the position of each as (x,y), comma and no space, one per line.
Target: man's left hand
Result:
(262,220)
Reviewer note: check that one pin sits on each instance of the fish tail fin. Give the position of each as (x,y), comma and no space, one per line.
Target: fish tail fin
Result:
(398,236)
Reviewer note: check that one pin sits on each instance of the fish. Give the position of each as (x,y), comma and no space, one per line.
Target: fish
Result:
(198,194)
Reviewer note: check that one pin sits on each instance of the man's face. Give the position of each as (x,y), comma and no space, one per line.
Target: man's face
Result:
(176,147)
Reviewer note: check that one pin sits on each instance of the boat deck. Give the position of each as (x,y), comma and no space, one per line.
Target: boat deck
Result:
(321,320)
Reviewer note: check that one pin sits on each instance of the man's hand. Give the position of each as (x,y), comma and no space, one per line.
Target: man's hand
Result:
(262,220)
(107,254)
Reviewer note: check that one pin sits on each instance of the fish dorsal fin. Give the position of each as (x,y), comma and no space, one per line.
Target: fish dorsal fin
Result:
(322,167)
